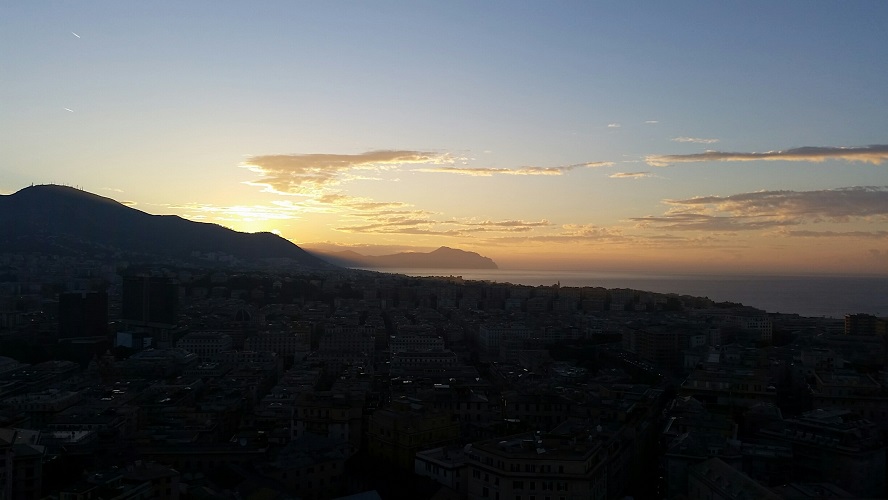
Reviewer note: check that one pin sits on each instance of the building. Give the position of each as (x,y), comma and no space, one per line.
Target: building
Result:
(398,432)
(446,465)
(836,446)
(310,466)
(753,322)
(205,344)
(288,344)
(347,345)
(715,480)
(491,336)
(535,465)
(865,324)
(149,301)
(150,305)
(730,386)
(336,416)
(41,407)
(660,345)
(21,464)
(83,315)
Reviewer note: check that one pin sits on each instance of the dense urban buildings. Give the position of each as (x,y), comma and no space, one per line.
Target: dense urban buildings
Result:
(184,382)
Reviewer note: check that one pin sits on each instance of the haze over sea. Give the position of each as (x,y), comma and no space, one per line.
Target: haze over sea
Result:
(815,296)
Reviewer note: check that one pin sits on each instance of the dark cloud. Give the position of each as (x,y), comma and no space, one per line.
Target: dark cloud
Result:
(770,209)
(833,204)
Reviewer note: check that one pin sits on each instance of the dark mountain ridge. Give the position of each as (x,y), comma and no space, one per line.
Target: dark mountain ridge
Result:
(442,258)
(61,219)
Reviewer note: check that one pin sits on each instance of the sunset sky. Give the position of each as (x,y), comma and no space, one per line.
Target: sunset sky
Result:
(676,136)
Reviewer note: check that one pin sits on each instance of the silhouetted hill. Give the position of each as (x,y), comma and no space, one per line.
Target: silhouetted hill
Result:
(442,258)
(65,220)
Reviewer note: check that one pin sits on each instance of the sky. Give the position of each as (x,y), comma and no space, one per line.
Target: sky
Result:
(694,137)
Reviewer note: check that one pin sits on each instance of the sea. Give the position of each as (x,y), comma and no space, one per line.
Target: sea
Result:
(812,295)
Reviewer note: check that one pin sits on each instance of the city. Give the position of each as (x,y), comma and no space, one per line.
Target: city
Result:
(237,381)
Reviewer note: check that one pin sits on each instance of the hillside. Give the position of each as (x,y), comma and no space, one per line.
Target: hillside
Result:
(67,221)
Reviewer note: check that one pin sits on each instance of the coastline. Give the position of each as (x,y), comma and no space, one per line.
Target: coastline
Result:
(810,295)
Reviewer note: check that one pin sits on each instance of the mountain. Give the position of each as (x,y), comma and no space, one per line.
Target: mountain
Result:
(64,220)
(442,258)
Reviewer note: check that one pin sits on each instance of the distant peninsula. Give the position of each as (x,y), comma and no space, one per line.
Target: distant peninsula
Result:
(442,258)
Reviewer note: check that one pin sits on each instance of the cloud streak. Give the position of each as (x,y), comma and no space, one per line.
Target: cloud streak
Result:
(569,234)
(873,235)
(630,175)
(703,222)
(770,209)
(307,174)
(696,140)
(832,204)
(489,172)
(875,154)
(421,224)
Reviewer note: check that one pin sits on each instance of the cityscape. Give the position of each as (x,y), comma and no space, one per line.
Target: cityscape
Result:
(497,250)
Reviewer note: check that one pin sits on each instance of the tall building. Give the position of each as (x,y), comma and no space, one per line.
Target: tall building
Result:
(83,314)
(149,301)
(150,305)
(865,324)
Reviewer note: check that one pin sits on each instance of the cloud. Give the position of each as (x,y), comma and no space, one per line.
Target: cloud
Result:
(770,209)
(613,125)
(415,228)
(874,235)
(652,122)
(421,223)
(510,223)
(696,140)
(240,213)
(702,222)
(307,174)
(874,154)
(570,233)
(833,204)
(630,175)
(362,204)
(489,172)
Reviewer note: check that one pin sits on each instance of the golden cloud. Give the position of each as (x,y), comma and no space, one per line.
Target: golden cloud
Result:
(308,174)
(630,175)
(488,172)
(875,154)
